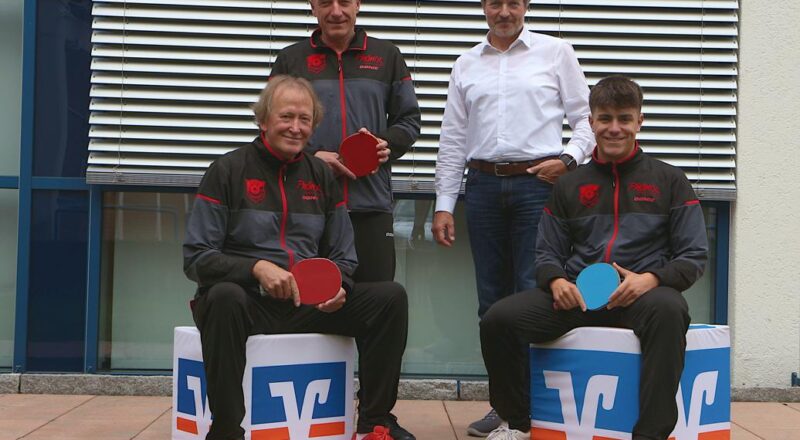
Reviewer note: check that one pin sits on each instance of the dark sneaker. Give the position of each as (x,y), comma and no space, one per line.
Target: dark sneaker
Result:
(482,427)
(398,432)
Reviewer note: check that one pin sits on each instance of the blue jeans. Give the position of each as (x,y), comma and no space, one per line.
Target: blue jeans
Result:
(503,218)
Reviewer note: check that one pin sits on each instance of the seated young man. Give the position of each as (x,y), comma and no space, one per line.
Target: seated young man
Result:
(624,208)
(259,210)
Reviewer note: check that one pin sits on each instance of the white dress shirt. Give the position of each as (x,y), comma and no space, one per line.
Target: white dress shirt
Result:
(509,107)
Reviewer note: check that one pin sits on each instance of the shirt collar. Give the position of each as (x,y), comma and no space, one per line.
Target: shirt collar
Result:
(525,38)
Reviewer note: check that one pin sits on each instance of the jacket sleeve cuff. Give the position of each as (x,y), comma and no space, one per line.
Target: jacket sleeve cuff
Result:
(244,270)
(547,273)
(347,284)
(679,275)
(399,141)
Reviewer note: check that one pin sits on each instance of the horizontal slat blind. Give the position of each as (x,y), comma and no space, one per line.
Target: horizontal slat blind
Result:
(172,79)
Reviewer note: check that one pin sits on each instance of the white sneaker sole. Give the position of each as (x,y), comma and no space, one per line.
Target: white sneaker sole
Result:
(472,432)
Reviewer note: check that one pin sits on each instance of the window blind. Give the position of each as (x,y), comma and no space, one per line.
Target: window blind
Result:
(172,80)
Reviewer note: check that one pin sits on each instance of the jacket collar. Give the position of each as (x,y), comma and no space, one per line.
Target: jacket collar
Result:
(266,152)
(359,41)
(635,156)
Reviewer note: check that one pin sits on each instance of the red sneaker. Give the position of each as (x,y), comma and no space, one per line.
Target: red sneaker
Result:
(378,433)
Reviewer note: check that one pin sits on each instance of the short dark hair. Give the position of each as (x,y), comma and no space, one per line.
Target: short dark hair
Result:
(616,92)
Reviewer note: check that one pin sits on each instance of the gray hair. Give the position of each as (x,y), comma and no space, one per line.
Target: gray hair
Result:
(263,107)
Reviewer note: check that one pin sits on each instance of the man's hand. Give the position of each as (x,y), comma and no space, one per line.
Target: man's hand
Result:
(277,283)
(549,170)
(632,287)
(334,303)
(383,148)
(335,163)
(566,295)
(444,228)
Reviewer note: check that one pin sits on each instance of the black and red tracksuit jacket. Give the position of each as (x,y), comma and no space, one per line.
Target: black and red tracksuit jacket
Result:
(368,85)
(251,205)
(640,213)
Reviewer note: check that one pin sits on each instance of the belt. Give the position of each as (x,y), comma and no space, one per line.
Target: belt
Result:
(504,169)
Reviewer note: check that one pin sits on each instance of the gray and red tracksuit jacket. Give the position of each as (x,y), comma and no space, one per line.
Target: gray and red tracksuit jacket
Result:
(368,85)
(640,213)
(251,205)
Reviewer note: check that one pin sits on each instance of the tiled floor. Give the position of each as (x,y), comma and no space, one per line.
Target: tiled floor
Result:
(49,417)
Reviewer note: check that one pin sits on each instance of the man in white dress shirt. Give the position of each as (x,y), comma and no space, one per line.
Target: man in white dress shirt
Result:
(506,104)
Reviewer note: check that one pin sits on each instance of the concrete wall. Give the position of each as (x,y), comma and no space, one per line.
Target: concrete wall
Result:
(765,238)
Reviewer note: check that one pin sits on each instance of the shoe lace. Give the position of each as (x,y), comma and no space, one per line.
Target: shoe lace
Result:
(502,433)
(491,415)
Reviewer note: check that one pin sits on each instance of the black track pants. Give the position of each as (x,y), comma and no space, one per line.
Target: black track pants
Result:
(374,241)
(376,314)
(659,318)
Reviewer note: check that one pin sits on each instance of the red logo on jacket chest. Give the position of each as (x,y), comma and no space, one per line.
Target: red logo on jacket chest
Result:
(311,190)
(589,194)
(316,63)
(370,62)
(644,192)
(255,190)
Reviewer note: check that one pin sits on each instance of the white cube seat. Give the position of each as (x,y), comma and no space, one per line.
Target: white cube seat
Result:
(296,386)
(585,385)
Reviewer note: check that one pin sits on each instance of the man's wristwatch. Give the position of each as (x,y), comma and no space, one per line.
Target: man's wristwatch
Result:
(568,161)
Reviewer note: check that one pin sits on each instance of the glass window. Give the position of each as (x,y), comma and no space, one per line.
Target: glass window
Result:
(144,291)
(9,206)
(57,295)
(63,46)
(10,85)
(443,307)
(701,295)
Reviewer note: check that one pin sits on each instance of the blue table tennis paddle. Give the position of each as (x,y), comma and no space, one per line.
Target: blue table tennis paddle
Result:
(596,283)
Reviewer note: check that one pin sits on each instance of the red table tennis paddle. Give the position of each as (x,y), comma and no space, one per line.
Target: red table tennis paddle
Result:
(318,280)
(596,283)
(359,153)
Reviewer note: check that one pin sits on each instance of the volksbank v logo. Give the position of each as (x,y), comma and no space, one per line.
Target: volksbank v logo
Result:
(299,401)
(287,402)
(593,394)
(193,416)
(601,391)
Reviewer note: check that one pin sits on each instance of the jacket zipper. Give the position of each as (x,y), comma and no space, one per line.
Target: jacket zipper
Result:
(343,105)
(281,180)
(615,185)
(342,101)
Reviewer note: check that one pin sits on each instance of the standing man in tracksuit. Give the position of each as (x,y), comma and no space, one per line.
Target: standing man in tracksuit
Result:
(259,210)
(364,85)
(624,208)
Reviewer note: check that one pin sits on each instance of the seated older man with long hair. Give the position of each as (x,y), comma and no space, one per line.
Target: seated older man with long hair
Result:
(252,220)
